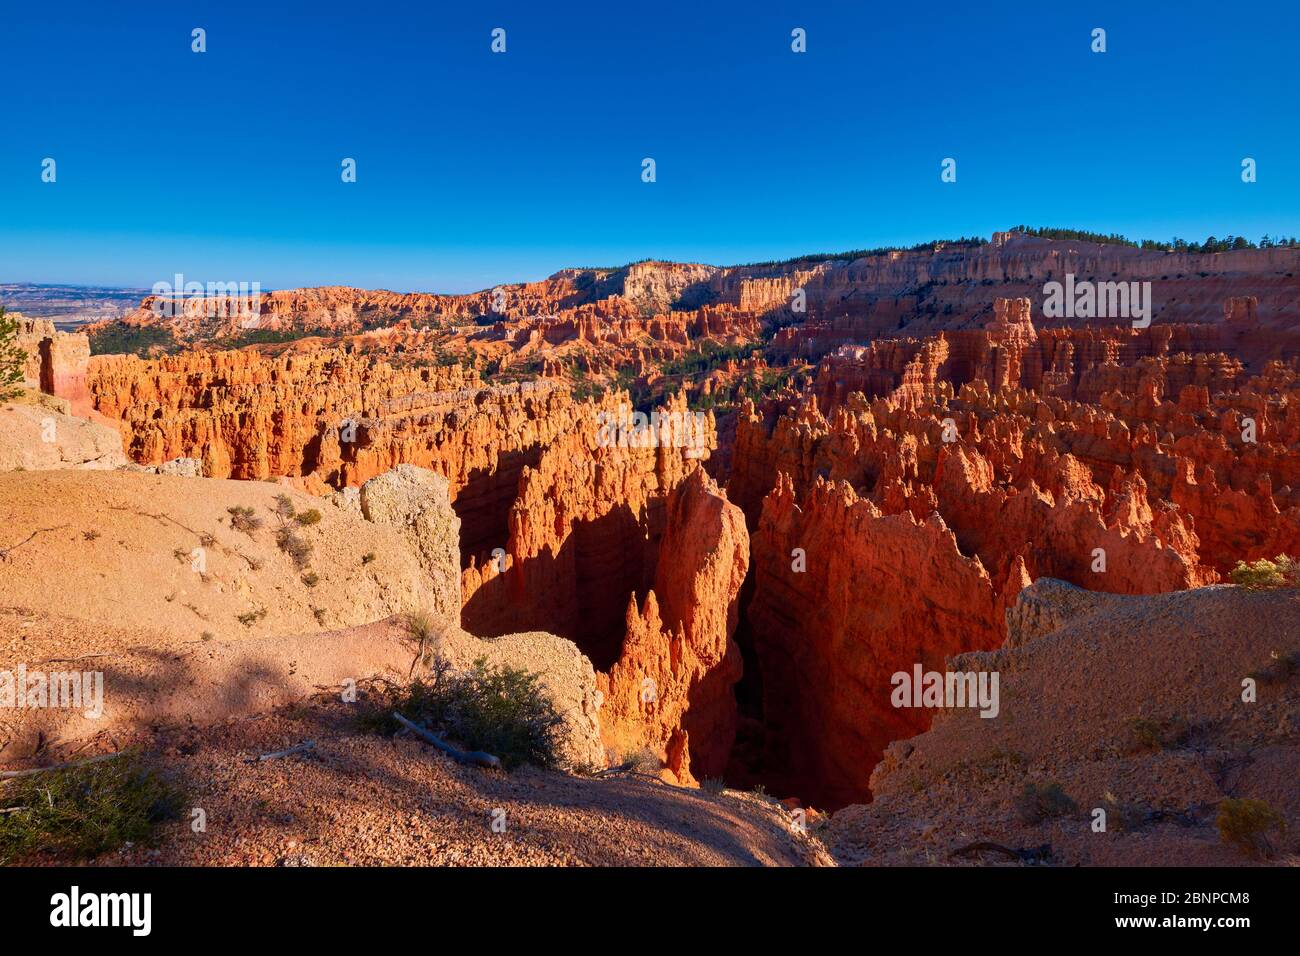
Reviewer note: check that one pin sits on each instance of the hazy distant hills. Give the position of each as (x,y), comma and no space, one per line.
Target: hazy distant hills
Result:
(69,305)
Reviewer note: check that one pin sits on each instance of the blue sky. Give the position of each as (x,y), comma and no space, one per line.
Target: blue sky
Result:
(475,168)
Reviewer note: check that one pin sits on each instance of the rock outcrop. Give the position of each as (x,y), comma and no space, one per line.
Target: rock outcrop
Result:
(415,501)
(213,617)
(56,361)
(167,553)
(1047,605)
(39,436)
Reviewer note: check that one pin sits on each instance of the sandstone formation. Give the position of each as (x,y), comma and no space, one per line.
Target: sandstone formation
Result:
(671,687)
(56,361)
(636,555)
(584,528)
(416,503)
(251,417)
(846,596)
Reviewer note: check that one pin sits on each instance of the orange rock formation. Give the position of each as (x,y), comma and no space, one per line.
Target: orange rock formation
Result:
(899,461)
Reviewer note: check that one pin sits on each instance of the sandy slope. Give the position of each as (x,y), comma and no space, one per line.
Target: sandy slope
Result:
(1069,702)
(122,553)
(36,433)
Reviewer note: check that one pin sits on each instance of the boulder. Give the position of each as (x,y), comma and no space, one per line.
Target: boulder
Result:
(417,502)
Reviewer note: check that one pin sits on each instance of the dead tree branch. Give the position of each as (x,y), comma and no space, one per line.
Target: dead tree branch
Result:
(4,552)
(476,757)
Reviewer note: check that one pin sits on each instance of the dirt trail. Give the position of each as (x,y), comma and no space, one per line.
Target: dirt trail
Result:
(367,800)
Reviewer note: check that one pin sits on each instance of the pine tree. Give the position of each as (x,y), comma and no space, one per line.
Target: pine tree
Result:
(12,357)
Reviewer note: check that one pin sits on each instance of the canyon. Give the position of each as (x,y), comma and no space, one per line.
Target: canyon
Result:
(895,447)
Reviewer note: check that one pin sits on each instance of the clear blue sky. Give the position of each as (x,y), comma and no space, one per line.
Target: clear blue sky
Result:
(475,168)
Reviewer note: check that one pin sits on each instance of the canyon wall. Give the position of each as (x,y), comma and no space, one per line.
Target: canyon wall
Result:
(636,555)
(845,596)
(948,286)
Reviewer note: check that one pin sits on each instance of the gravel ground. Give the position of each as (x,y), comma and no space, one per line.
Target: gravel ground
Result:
(365,800)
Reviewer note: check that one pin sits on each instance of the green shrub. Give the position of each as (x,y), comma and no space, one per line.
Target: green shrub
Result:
(426,631)
(1281,572)
(283,508)
(80,812)
(295,546)
(243,519)
(1246,824)
(644,760)
(307,518)
(249,618)
(1039,802)
(503,711)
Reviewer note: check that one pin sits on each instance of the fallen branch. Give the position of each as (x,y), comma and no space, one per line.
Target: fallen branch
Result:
(4,552)
(476,757)
(276,755)
(162,517)
(655,778)
(629,770)
(252,563)
(14,774)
